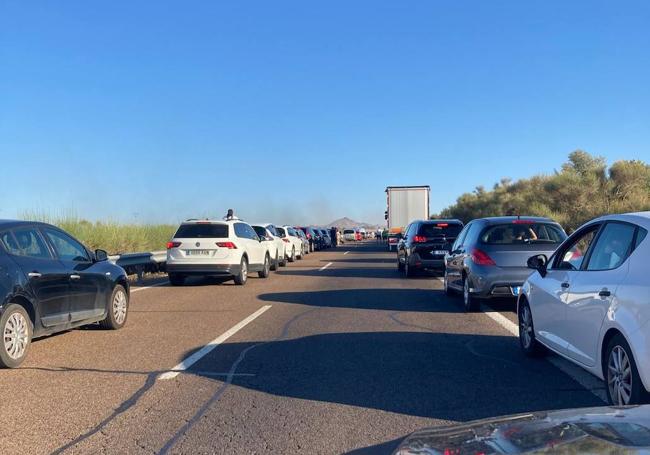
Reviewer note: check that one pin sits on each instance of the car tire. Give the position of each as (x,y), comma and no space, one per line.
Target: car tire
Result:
(266,268)
(527,341)
(302,251)
(176,280)
(408,270)
(241,278)
(16,323)
(470,302)
(276,262)
(117,310)
(292,258)
(618,349)
(448,291)
(400,266)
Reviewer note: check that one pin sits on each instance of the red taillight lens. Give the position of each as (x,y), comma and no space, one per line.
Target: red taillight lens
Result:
(480,257)
(523,222)
(419,239)
(285,240)
(442,224)
(229,245)
(173,244)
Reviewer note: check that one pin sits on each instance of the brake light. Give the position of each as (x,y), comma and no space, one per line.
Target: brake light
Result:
(419,239)
(229,245)
(522,222)
(442,224)
(285,240)
(480,257)
(173,244)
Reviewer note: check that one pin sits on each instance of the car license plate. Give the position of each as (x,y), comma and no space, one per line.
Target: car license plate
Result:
(516,290)
(440,252)
(197,252)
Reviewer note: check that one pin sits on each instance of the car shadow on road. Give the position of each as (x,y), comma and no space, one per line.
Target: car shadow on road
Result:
(421,300)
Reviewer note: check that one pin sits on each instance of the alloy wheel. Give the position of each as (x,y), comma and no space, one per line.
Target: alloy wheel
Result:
(619,376)
(526,326)
(466,292)
(16,334)
(244,270)
(119,307)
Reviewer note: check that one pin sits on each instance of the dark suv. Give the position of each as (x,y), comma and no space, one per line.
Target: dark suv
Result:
(425,244)
(312,237)
(49,283)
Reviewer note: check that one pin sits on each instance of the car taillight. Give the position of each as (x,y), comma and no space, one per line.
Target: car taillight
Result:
(442,224)
(285,240)
(173,244)
(229,245)
(419,239)
(480,257)
(523,222)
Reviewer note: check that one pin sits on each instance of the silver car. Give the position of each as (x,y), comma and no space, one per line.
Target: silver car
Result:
(489,257)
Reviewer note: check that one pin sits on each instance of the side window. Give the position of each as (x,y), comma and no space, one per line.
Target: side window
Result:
(612,247)
(461,237)
(472,233)
(640,235)
(251,233)
(571,256)
(240,230)
(25,242)
(67,248)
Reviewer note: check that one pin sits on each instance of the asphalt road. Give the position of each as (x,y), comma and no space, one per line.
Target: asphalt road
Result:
(347,358)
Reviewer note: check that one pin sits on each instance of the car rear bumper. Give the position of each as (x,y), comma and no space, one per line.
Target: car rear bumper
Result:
(495,282)
(426,264)
(205,269)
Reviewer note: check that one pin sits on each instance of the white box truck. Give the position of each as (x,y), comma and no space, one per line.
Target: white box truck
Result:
(405,204)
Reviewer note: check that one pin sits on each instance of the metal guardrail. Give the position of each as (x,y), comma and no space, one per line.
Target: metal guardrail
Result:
(141,263)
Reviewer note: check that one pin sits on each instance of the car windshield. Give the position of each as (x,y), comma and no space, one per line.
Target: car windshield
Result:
(449,230)
(199,231)
(521,233)
(348,231)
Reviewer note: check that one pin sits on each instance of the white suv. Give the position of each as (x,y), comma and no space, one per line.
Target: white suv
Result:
(216,248)
(273,244)
(294,247)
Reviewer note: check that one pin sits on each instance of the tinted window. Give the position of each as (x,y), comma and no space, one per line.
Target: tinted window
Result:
(25,242)
(260,231)
(292,232)
(67,248)
(272,230)
(201,231)
(348,231)
(244,231)
(573,255)
(513,233)
(250,232)
(461,237)
(281,232)
(440,229)
(640,235)
(612,247)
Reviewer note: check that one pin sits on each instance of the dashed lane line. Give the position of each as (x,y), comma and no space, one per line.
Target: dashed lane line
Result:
(149,287)
(191,360)
(325,266)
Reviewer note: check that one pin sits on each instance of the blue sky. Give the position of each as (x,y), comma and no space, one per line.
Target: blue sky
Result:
(302,113)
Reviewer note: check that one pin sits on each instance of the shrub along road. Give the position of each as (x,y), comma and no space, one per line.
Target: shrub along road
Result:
(318,358)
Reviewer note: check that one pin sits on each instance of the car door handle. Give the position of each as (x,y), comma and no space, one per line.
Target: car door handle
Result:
(604,293)
(34,274)
(75,277)
(565,285)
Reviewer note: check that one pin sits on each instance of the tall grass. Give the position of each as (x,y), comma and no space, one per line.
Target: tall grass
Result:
(112,236)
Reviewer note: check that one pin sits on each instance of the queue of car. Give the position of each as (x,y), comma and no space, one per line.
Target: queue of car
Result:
(51,282)
(585,297)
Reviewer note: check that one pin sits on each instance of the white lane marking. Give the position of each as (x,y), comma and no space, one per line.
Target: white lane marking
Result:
(585,379)
(325,266)
(150,286)
(191,360)
(345,253)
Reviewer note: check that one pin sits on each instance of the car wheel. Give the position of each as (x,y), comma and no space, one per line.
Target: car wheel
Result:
(623,382)
(408,270)
(302,251)
(529,344)
(176,279)
(117,310)
(16,334)
(276,262)
(264,273)
(400,266)
(470,302)
(293,254)
(242,276)
(445,283)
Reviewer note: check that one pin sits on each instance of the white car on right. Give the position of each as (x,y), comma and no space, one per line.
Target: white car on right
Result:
(590,303)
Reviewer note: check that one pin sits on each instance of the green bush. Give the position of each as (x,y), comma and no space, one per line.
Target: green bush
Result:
(583,189)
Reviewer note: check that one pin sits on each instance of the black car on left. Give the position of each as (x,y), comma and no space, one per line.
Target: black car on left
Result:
(425,244)
(50,282)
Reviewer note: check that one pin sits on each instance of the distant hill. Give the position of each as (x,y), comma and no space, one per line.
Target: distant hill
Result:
(347,223)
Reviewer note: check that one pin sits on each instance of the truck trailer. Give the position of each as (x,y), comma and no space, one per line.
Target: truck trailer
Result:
(404,205)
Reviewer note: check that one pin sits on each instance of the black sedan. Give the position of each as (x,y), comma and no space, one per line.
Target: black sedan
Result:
(50,282)
(425,244)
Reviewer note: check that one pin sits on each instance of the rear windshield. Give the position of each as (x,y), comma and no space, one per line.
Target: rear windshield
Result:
(348,231)
(260,231)
(517,233)
(200,231)
(440,229)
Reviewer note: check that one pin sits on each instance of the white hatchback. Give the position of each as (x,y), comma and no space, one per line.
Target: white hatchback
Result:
(216,248)
(590,303)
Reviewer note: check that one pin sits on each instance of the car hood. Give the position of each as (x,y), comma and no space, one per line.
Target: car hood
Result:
(586,430)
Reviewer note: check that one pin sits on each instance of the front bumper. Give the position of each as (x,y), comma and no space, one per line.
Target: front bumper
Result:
(205,269)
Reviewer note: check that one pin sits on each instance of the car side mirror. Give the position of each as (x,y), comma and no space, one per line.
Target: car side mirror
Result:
(538,262)
(101,255)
